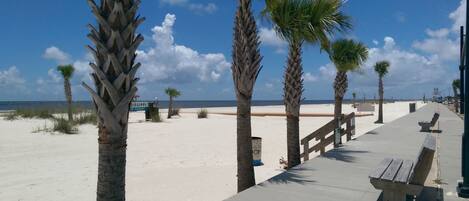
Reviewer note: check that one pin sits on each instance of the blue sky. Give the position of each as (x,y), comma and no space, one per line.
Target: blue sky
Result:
(188,46)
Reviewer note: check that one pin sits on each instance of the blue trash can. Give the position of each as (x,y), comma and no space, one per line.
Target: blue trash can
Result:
(257,151)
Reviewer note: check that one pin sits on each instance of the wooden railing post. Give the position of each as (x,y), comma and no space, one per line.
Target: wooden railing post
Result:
(323,148)
(349,130)
(306,151)
(353,124)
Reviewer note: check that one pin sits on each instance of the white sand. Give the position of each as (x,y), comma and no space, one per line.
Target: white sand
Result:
(184,158)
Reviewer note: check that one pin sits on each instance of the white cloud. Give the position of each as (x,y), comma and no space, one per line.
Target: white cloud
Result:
(444,42)
(198,8)
(408,69)
(174,2)
(389,43)
(308,77)
(203,8)
(328,71)
(439,44)
(169,62)
(269,37)
(57,55)
(375,42)
(458,16)
(54,75)
(11,77)
(269,85)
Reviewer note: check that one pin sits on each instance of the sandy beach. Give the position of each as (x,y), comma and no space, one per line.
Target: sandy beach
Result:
(180,159)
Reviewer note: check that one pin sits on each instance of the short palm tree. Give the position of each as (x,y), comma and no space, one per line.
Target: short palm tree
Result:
(347,55)
(246,67)
(299,21)
(172,93)
(67,73)
(381,68)
(114,70)
(456,86)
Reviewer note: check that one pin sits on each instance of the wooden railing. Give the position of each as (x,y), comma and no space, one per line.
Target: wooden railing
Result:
(323,141)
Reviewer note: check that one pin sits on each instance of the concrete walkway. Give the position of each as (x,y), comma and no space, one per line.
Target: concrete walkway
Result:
(342,173)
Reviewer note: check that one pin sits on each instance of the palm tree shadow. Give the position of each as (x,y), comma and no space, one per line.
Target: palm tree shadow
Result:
(296,175)
(344,155)
(371,133)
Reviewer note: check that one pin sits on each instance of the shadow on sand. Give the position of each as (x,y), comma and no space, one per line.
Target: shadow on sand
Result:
(296,175)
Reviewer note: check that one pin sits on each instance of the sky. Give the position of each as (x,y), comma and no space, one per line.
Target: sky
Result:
(188,46)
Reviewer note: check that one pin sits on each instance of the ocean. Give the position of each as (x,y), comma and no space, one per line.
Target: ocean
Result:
(13,105)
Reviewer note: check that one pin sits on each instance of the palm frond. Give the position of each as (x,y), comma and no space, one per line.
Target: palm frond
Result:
(172,92)
(348,55)
(456,84)
(314,21)
(66,71)
(382,68)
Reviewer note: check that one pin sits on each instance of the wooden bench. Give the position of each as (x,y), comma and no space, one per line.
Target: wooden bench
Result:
(399,178)
(425,125)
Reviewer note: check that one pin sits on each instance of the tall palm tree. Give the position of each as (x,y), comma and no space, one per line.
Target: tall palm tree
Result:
(172,93)
(245,68)
(456,84)
(114,70)
(347,55)
(67,73)
(299,21)
(381,68)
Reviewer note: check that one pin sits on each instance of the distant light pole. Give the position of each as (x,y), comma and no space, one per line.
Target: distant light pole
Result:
(463,186)
(461,72)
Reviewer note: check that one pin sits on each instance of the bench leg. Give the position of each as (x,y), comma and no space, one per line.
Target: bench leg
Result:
(394,196)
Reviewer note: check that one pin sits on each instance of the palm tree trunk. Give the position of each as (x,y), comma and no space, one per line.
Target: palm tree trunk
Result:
(340,87)
(381,100)
(111,168)
(245,69)
(114,69)
(456,100)
(293,88)
(68,94)
(170,107)
(246,177)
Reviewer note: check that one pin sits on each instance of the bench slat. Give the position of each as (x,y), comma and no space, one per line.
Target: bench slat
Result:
(404,172)
(379,171)
(392,170)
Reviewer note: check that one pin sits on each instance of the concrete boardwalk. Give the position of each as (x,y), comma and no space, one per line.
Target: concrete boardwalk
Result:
(342,173)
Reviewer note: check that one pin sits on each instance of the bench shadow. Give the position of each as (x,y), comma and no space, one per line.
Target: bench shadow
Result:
(343,155)
(432,131)
(428,194)
(297,175)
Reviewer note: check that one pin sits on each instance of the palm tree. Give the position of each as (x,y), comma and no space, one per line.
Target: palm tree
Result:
(456,84)
(114,70)
(67,73)
(172,93)
(382,68)
(246,67)
(347,55)
(299,21)
(354,98)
